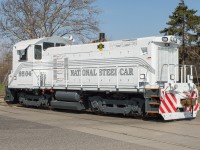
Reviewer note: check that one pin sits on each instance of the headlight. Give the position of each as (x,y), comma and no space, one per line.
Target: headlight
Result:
(165,39)
(173,39)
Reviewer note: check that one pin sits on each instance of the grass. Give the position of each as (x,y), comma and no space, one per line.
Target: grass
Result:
(2,89)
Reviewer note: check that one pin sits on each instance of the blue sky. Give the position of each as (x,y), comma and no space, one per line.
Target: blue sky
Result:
(123,19)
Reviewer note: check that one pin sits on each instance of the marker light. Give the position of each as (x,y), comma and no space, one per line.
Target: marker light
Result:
(142,76)
(173,39)
(165,39)
(172,76)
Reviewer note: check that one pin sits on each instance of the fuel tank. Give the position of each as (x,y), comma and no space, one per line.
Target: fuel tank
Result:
(67,96)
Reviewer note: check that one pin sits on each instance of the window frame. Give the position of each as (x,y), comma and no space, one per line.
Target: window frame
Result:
(23,57)
(37,50)
(45,45)
(59,44)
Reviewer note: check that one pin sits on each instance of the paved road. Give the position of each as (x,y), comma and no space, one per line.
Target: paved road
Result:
(35,129)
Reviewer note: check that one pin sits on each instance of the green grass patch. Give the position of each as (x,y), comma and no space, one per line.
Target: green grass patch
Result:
(2,89)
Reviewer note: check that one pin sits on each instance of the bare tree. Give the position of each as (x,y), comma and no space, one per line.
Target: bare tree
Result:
(28,19)
(5,60)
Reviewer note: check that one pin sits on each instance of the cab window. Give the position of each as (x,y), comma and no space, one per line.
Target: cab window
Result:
(22,54)
(38,52)
(47,45)
(60,44)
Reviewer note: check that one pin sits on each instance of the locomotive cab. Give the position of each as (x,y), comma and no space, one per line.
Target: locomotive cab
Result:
(26,56)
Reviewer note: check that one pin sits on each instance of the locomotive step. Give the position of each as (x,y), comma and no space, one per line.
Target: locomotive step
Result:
(152,112)
(154,103)
(147,89)
(155,96)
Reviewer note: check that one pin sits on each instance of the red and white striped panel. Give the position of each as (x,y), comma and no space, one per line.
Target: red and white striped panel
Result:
(168,103)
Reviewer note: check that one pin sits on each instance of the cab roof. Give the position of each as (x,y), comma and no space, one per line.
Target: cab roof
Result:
(24,44)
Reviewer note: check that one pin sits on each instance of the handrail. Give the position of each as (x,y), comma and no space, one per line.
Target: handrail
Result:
(183,72)
(197,77)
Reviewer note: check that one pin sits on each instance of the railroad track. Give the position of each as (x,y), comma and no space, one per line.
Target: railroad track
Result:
(73,112)
(62,112)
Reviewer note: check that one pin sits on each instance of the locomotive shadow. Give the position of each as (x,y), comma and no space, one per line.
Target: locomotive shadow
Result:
(107,115)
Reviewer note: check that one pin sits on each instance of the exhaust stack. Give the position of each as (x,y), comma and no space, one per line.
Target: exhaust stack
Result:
(102,37)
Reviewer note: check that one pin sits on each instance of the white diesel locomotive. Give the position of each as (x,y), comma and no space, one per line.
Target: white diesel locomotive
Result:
(138,77)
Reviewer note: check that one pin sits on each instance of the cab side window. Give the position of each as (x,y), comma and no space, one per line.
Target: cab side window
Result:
(47,45)
(22,54)
(38,52)
(60,44)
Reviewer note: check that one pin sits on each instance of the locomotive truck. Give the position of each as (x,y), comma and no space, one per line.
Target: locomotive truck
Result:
(136,77)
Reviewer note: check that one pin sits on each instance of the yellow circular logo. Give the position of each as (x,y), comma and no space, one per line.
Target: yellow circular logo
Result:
(100,47)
